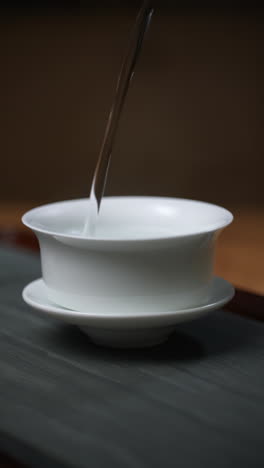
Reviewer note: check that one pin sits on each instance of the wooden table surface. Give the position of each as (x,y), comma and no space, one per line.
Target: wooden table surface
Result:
(240,251)
(194,402)
(239,259)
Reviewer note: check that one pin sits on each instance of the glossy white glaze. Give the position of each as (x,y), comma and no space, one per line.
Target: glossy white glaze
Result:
(126,329)
(151,253)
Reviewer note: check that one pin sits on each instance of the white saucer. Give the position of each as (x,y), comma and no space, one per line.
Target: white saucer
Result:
(126,330)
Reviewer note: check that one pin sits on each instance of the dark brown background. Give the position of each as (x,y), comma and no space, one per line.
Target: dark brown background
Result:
(192,125)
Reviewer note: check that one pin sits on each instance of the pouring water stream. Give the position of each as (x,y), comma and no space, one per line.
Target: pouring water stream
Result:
(124,79)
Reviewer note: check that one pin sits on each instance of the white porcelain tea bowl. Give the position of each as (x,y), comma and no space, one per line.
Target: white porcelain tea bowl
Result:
(149,253)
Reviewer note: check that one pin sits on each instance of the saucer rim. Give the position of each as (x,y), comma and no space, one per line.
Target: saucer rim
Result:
(157,318)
